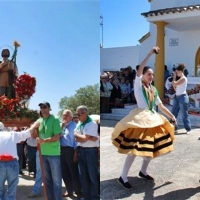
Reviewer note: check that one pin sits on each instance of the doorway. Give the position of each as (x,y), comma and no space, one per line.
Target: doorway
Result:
(197,63)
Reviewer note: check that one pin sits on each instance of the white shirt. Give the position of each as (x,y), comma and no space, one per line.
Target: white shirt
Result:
(138,92)
(168,84)
(89,129)
(181,89)
(32,142)
(107,89)
(9,140)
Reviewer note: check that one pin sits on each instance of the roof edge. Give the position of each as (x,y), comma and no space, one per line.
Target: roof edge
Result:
(143,38)
(172,9)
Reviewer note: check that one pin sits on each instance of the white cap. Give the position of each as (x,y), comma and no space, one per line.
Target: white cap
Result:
(1,126)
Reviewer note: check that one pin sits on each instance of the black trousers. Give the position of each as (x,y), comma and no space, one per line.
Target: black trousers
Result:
(32,157)
(20,151)
(70,173)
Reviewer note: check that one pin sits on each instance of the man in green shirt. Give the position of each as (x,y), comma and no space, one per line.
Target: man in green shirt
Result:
(49,135)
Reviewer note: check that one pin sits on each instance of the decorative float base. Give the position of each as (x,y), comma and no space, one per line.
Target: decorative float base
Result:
(17,122)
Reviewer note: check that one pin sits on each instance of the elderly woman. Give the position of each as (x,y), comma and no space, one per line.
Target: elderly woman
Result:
(105,92)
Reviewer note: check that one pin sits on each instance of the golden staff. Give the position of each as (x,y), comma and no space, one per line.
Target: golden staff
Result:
(42,167)
(16,45)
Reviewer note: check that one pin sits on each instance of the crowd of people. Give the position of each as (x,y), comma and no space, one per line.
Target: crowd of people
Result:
(116,89)
(67,150)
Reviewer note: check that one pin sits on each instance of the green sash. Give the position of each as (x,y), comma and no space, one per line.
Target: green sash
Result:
(82,124)
(150,96)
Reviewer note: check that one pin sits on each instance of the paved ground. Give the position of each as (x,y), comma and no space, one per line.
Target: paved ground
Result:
(25,185)
(176,174)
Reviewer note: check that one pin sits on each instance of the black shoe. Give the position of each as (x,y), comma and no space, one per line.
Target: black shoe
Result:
(21,173)
(147,177)
(78,195)
(67,194)
(126,185)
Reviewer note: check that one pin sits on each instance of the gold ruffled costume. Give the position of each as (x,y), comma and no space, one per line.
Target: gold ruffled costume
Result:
(143,133)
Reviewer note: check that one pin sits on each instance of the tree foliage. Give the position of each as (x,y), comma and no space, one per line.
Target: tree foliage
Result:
(88,96)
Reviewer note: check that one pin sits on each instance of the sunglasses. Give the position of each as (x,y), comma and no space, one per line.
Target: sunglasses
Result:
(43,107)
(78,115)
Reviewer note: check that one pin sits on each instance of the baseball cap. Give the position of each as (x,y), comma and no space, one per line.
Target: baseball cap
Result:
(45,104)
(1,126)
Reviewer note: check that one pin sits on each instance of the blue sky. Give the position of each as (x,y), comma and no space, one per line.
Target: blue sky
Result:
(59,44)
(123,24)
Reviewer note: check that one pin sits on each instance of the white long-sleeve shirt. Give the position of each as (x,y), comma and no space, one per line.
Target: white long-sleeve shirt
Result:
(141,102)
(8,141)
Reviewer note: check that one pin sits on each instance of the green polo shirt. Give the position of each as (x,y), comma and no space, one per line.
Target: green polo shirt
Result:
(50,127)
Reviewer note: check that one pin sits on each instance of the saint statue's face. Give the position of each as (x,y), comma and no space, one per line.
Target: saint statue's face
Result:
(5,53)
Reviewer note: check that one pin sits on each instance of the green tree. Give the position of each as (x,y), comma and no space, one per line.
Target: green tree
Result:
(88,96)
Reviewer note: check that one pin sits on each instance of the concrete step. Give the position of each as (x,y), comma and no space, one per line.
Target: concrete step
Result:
(121,111)
(118,113)
(111,116)
(130,106)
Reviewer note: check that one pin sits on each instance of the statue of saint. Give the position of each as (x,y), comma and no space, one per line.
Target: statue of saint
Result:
(8,73)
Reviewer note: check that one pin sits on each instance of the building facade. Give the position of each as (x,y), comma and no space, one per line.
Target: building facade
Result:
(175,28)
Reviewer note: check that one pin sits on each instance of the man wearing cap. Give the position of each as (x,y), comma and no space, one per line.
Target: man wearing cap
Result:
(8,71)
(9,166)
(49,136)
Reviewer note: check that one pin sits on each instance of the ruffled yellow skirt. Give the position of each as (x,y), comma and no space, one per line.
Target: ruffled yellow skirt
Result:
(143,133)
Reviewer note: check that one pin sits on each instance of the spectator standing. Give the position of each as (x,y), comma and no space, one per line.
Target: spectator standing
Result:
(20,151)
(87,137)
(132,74)
(116,95)
(69,165)
(31,145)
(49,135)
(166,73)
(128,86)
(124,89)
(9,166)
(105,92)
(181,100)
(36,190)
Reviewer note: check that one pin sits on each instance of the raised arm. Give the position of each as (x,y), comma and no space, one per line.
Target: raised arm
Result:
(143,63)
(178,82)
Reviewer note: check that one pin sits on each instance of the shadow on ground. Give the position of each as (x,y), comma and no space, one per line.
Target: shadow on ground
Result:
(111,189)
(23,191)
(181,194)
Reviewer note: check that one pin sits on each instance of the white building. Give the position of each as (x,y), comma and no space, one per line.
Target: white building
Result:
(175,28)
(112,59)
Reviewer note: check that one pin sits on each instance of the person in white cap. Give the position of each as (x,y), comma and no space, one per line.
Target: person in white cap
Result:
(9,166)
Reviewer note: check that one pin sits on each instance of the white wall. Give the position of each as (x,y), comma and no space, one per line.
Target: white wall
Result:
(161,4)
(186,50)
(120,57)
